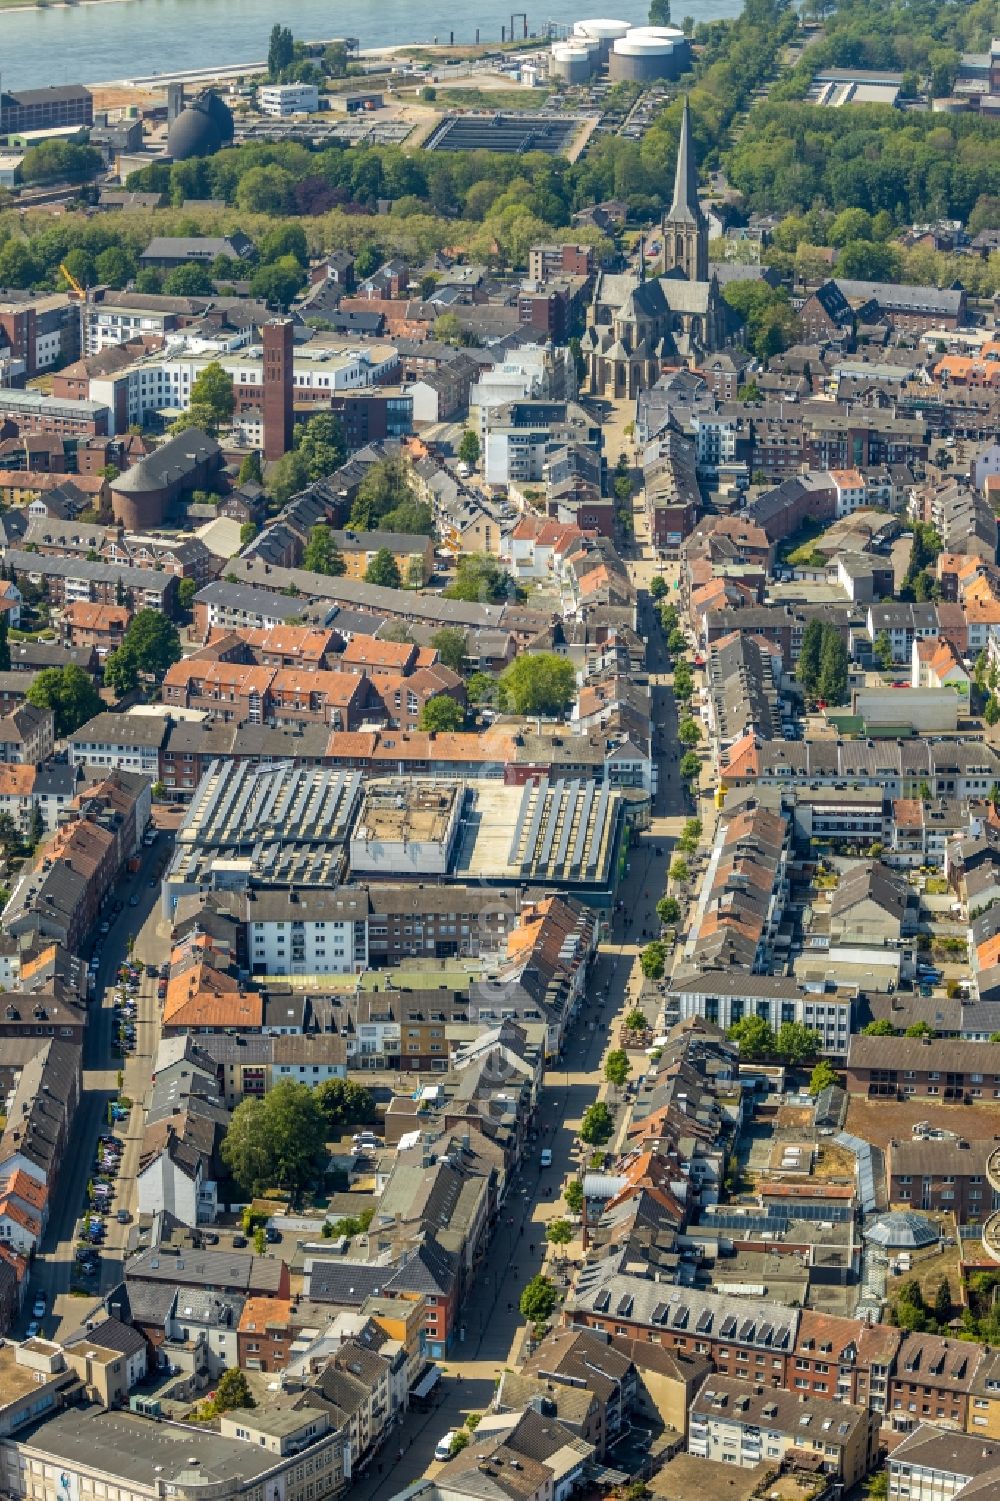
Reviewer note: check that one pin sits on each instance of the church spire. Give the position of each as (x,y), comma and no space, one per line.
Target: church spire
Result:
(685,230)
(685,207)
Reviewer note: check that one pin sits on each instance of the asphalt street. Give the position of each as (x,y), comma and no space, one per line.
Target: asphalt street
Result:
(53,1268)
(493,1327)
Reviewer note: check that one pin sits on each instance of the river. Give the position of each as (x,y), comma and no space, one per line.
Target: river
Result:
(116,39)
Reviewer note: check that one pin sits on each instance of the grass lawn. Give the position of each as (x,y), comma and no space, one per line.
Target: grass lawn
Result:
(798,547)
(516,101)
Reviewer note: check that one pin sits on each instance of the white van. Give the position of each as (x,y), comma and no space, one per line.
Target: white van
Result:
(443,1450)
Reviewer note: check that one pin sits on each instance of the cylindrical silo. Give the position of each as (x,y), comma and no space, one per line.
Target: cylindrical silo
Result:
(647,53)
(602,31)
(570,63)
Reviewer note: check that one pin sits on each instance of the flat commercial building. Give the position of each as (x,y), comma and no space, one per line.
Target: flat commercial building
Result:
(280,825)
(568,835)
(83,1452)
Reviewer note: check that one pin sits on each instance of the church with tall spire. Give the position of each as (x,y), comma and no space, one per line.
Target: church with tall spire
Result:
(684,226)
(635,327)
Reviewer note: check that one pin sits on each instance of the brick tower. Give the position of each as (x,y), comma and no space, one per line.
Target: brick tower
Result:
(278,369)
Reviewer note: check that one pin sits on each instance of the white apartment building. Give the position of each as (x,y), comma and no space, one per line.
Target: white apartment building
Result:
(724,999)
(932,1464)
(306,933)
(163,382)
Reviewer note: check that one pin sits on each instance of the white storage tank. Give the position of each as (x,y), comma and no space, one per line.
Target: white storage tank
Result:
(570,63)
(602,31)
(646,53)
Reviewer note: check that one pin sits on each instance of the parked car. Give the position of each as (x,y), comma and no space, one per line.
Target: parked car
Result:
(443,1448)
(39,1306)
(546,1157)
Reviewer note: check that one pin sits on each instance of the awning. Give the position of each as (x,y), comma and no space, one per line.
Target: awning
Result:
(427,1382)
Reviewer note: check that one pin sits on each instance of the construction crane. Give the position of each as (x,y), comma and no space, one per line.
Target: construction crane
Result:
(82,296)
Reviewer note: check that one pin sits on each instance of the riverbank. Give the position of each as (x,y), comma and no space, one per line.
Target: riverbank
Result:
(123,40)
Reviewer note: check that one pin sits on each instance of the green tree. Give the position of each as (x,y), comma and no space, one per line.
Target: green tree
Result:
(883,650)
(451,644)
(864,260)
(652,960)
(188,588)
(943,1302)
(919,1029)
(573,1196)
(59,161)
(276,1141)
(188,280)
(69,693)
(690,766)
(480,579)
(689,732)
(755,1038)
(345,1103)
(808,666)
(659,12)
(469,448)
(322,555)
(833,668)
(200,417)
(152,642)
(250,469)
(385,488)
(991,712)
(676,642)
(680,872)
(280,51)
(481,688)
(232,1390)
(880,1028)
(383,570)
(538,683)
(287,476)
(822,1077)
(213,388)
(657,587)
(284,239)
(248,532)
(559,1232)
(115,267)
(876,1487)
(794,1042)
(617,1067)
(668,910)
(635,1021)
(683,682)
(264,191)
(121,671)
(597,1124)
(538,1300)
(441,715)
(36,826)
